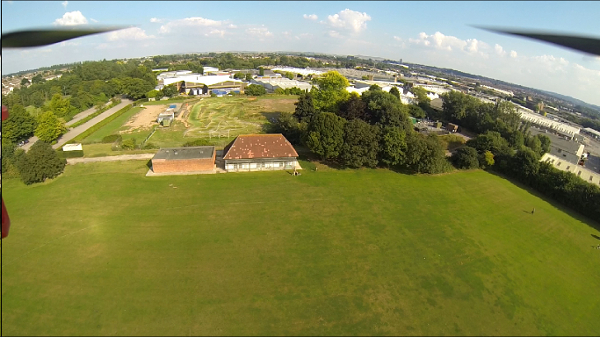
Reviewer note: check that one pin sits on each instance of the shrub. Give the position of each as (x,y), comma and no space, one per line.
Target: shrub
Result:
(69,154)
(128,144)
(150,146)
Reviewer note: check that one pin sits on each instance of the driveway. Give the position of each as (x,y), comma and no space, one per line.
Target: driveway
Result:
(83,115)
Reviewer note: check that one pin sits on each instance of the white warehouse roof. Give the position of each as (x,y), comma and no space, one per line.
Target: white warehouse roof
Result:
(301,71)
(208,80)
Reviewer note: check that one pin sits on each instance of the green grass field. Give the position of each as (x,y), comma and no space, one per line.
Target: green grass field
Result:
(104,250)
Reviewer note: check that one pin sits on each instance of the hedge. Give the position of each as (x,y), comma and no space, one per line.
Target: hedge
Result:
(102,123)
(69,154)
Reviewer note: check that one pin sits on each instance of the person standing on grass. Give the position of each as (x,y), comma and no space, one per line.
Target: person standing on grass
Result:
(533,211)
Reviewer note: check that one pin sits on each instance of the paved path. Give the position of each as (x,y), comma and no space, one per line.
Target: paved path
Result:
(141,156)
(84,114)
(80,129)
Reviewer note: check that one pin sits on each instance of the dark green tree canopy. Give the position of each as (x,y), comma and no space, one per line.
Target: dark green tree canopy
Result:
(361,143)
(19,125)
(41,162)
(325,135)
(466,158)
(305,108)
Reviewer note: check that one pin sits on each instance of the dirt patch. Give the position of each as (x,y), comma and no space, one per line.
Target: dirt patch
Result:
(144,119)
(278,105)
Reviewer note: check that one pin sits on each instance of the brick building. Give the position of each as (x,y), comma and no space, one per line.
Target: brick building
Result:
(260,153)
(184,159)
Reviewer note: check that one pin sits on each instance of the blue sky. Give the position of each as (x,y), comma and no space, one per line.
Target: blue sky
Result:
(431,33)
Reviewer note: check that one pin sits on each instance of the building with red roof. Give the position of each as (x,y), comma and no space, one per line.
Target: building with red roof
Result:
(260,153)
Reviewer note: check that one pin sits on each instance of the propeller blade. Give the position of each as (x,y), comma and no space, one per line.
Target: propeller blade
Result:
(42,37)
(588,45)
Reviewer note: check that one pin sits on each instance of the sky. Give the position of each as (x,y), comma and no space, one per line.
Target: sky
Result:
(437,34)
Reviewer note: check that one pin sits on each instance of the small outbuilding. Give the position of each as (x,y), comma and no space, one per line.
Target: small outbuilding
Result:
(184,159)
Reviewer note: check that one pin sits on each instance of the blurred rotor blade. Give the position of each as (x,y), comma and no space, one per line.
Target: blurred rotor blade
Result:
(589,45)
(42,37)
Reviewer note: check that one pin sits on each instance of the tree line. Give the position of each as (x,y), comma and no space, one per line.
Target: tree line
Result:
(504,145)
(360,131)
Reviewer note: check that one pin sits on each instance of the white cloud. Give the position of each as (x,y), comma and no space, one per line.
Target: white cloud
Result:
(193,22)
(133,33)
(260,32)
(349,19)
(94,20)
(513,54)
(333,33)
(65,4)
(232,26)
(397,38)
(313,17)
(499,50)
(451,43)
(156,20)
(71,19)
(216,32)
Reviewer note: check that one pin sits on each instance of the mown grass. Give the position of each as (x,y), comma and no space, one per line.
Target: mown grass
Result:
(105,250)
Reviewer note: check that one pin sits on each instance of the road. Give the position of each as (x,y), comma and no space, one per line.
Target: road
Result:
(110,158)
(80,129)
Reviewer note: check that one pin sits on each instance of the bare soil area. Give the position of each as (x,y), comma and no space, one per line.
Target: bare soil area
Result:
(145,119)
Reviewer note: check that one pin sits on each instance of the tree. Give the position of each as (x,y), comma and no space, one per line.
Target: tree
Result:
(394,91)
(354,108)
(152,93)
(535,144)
(545,144)
(248,77)
(525,164)
(290,128)
(305,108)
(61,107)
(255,90)
(49,127)
(19,125)
(421,95)
(38,79)
(426,154)
(330,91)
(392,151)
(486,159)
(261,71)
(325,135)
(415,111)
(40,163)
(169,90)
(360,144)
(490,141)
(25,81)
(385,109)
(135,88)
(465,158)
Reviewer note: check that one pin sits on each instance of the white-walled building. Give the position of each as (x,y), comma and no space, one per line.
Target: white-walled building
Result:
(271,84)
